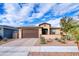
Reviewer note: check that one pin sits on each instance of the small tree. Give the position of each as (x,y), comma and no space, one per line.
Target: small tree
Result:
(66,25)
(71,27)
(75,33)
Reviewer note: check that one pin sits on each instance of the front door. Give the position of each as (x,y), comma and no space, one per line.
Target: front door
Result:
(44,31)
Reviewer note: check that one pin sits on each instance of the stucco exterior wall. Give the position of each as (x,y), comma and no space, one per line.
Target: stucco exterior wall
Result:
(40,32)
(51,36)
(46,26)
(58,31)
(20,33)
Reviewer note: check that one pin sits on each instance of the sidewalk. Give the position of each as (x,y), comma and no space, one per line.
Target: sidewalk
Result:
(54,49)
(24,51)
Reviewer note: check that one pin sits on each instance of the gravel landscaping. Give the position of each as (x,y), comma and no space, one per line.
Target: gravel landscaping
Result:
(6,41)
(56,43)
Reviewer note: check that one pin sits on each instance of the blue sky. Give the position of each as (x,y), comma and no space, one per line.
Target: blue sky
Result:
(32,14)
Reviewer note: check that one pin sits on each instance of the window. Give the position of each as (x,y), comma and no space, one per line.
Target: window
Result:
(53,31)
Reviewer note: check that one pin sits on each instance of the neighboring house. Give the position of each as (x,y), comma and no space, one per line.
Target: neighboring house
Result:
(7,31)
(43,29)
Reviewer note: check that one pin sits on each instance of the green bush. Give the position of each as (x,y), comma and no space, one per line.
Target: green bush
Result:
(63,39)
(68,37)
(77,37)
(42,40)
(56,39)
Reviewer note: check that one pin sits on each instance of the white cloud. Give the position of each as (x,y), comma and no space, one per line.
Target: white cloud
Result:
(64,8)
(25,11)
(16,15)
(43,9)
(10,13)
(76,17)
(54,23)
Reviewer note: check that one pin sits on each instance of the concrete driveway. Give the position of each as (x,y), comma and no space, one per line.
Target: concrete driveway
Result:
(21,42)
(17,47)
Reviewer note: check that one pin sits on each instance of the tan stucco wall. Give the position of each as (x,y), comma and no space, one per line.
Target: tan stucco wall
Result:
(57,35)
(51,36)
(46,26)
(20,33)
(40,32)
(58,31)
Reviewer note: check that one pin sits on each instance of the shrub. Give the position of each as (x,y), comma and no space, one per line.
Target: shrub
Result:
(63,39)
(67,37)
(56,39)
(42,40)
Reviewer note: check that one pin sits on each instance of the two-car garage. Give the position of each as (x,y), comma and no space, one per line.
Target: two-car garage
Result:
(28,32)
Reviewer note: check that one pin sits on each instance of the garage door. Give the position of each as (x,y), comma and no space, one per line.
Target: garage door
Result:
(30,33)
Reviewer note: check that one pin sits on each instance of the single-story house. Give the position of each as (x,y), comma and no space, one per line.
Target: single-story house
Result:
(7,31)
(44,30)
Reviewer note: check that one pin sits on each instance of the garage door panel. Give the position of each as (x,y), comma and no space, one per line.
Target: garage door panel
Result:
(30,33)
